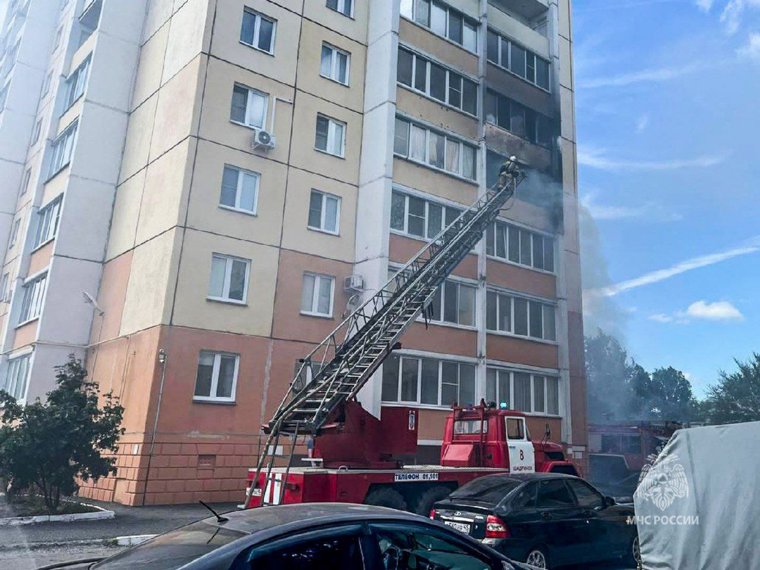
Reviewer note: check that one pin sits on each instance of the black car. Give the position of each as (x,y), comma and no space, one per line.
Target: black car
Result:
(309,536)
(544,519)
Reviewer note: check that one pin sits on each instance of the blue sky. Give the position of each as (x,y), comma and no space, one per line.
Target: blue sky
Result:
(668,125)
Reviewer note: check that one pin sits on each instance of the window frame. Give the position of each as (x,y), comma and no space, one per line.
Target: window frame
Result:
(241,172)
(323,212)
(439,362)
(226,283)
(535,377)
(7,383)
(81,76)
(215,378)
(5,287)
(33,300)
(25,181)
(549,244)
(425,162)
(334,67)
(251,92)
(332,125)
(257,30)
(528,53)
(541,123)
(448,9)
(44,216)
(338,4)
(315,295)
(66,141)
(501,294)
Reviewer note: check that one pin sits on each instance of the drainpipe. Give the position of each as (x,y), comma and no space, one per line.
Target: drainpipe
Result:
(162,362)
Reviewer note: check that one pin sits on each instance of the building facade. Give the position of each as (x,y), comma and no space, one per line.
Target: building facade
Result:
(184,199)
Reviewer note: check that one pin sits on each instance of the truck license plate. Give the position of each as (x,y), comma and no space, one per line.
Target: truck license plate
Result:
(461,527)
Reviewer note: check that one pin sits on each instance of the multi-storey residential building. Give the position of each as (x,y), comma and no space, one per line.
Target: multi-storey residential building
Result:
(197,178)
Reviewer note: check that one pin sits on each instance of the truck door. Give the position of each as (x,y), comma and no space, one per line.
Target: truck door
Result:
(521,454)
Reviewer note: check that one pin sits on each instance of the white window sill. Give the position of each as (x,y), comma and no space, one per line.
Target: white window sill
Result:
(438,101)
(436,169)
(246,125)
(521,337)
(28,321)
(74,102)
(57,172)
(238,210)
(334,80)
(317,315)
(321,231)
(448,409)
(328,153)
(226,301)
(449,40)
(515,264)
(217,401)
(257,48)
(43,244)
(447,324)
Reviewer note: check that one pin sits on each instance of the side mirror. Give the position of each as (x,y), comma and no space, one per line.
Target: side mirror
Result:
(609,502)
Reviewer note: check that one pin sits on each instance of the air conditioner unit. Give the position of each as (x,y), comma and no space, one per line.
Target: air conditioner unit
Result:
(353,283)
(262,140)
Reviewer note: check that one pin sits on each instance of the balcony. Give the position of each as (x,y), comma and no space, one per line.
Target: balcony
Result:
(528,10)
(89,19)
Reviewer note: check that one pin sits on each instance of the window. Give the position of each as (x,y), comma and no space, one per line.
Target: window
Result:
(47,222)
(434,149)
(437,82)
(419,217)
(14,233)
(520,316)
(25,182)
(554,493)
(323,552)
(427,381)
(34,293)
(249,106)
(335,64)
(324,212)
(3,97)
(257,31)
(517,245)
(330,136)
(75,83)
(46,84)
(17,376)
(240,189)
(454,302)
(317,295)
(518,60)
(443,21)
(530,393)
(345,7)
(216,377)
(58,35)
(61,149)
(4,288)
(229,278)
(37,130)
(426,547)
(587,497)
(515,428)
(518,119)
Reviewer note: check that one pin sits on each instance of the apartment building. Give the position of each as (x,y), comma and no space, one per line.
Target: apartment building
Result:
(208,173)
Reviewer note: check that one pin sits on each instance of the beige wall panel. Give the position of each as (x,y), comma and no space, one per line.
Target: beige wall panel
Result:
(178,108)
(158,13)
(441,339)
(440,49)
(305,156)
(126,213)
(416,106)
(25,334)
(204,212)
(297,236)
(227,45)
(40,259)
(512,86)
(55,187)
(516,30)
(566,64)
(433,182)
(139,133)
(194,310)
(524,351)
(355,28)
(215,120)
(309,64)
(70,114)
(403,248)
(530,215)
(151,283)
(522,279)
(164,196)
(189,34)
(150,66)
(111,297)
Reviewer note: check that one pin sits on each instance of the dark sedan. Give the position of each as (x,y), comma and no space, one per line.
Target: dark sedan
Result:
(545,519)
(308,536)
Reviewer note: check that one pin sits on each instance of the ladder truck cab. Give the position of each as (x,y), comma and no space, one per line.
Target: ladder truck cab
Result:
(358,458)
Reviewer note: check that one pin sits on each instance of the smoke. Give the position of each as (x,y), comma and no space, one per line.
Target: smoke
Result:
(544,191)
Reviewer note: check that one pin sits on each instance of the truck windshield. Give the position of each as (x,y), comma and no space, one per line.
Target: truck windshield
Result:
(489,490)
(463,427)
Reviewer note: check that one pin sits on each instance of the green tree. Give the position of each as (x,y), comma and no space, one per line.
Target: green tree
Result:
(49,446)
(608,377)
(736,396)
(666,395)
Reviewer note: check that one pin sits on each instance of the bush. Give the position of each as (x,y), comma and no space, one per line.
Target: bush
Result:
(49,446)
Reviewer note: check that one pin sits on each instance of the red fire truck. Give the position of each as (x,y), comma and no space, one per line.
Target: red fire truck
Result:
(360,458)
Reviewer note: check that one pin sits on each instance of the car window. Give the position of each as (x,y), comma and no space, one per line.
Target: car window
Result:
(324,552)
(490,490)
(405,547)
(585,495)
(524,497)
(515,428)
(554,494)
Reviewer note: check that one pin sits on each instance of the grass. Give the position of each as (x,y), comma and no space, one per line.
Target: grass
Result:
(25,506)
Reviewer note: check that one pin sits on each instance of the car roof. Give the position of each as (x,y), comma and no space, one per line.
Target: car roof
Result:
(308,515)
(525,477)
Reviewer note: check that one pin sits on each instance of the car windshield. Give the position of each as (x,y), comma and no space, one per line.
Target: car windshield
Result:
(173,549)
(489,490)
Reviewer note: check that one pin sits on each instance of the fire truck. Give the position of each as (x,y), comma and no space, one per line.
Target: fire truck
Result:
(358,458)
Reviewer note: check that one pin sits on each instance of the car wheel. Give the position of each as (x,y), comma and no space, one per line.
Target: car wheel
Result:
(634,553)
(386,497)
(428,498)
(537,557)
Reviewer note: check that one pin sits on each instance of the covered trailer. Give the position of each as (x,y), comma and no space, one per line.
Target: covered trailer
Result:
(695,508)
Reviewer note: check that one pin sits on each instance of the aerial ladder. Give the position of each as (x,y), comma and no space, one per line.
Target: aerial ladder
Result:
(334,372)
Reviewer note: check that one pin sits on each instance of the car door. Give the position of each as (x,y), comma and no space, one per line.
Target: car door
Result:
(592,504)
(521,450)
(336,547)
(407,546)
(564,526)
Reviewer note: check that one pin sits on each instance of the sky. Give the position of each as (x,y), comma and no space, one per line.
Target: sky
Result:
(668,124)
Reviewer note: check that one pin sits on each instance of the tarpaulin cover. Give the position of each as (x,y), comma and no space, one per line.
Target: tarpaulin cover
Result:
(698,505)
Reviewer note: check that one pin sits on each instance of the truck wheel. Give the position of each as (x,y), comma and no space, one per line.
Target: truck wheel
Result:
(428,498)
(386,497)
